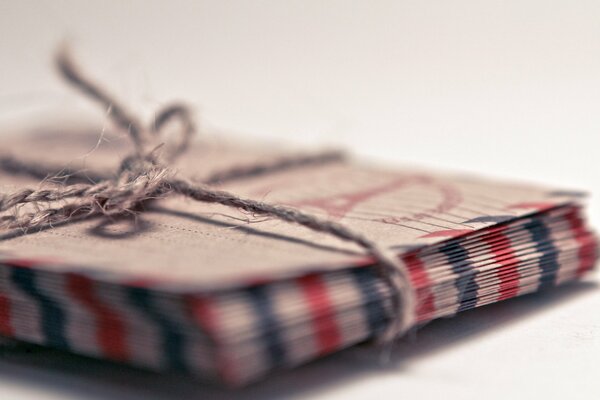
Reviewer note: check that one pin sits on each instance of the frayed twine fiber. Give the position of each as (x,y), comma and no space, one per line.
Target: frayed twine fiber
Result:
(145,175)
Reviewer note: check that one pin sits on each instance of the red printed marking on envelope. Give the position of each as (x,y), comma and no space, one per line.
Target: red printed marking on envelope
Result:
(338,206)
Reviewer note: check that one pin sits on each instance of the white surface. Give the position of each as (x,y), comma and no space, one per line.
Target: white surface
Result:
(508,88)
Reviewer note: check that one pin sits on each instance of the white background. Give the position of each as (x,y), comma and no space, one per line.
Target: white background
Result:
(506,88)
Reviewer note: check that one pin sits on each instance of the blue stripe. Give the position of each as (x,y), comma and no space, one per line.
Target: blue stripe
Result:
(366,280)
(172,340)
(548,261)
(458,258)
(53,317)
(267,321)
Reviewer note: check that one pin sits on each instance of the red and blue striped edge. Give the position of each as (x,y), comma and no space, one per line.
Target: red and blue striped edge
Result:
(237,335)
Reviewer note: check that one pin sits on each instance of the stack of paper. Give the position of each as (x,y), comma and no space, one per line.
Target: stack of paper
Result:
(224,295)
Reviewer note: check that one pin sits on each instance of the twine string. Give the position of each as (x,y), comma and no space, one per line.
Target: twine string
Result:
(146,175)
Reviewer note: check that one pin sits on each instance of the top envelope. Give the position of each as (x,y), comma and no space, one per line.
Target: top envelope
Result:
(187,244)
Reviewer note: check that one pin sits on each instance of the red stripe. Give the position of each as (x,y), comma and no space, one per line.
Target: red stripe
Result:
(203,311)
(21,262)
(110,332)
(586,241)
(322,312)
(5,325)
(507,272)
(421,282)
(29,262)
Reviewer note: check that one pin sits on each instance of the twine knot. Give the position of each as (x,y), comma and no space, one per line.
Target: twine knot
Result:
(147,175)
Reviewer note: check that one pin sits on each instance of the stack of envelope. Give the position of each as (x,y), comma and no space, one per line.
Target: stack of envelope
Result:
(223,295)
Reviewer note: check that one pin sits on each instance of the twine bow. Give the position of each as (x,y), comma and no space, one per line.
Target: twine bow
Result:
(146,175)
